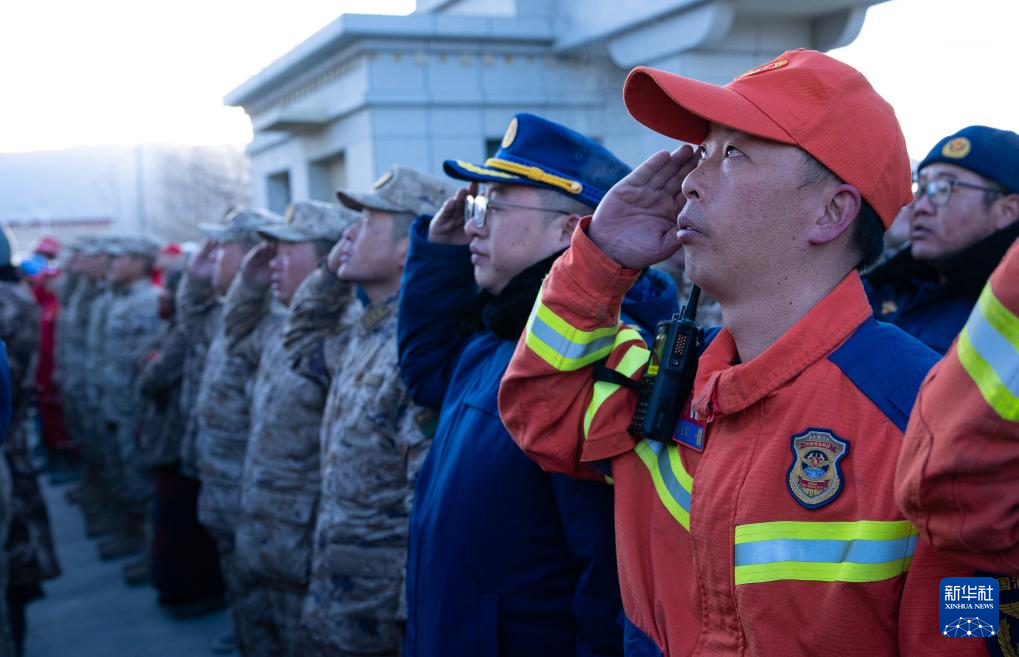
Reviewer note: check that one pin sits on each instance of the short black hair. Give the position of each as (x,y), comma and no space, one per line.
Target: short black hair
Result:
(868,229)
(868,235)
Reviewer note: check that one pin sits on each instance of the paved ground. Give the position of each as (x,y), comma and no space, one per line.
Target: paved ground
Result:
(88,611)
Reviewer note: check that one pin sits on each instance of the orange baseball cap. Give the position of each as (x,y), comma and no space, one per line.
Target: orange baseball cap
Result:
(802,97)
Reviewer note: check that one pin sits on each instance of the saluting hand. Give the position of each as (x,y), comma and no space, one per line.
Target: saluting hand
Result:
(447,226)
(635,224)
(202,264)
(255,266)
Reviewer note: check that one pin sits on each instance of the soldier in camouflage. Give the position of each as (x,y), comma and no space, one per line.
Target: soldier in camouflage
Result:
(373,438)
(72,279)
(29,557)
(100,516)
(215,390)
(131,331)
(280,484)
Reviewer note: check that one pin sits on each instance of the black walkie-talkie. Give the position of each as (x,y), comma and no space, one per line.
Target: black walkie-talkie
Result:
(670,374)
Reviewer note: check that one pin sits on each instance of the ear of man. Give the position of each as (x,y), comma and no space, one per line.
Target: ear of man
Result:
(571,212)
(867,237)
(1006,211)
(841,208)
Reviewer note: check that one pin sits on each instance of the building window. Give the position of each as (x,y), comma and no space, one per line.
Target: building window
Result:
(327,175)
(491,146)
(277,188)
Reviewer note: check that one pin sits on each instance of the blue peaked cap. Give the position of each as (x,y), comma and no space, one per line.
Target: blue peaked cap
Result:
(540,153)
(989,152)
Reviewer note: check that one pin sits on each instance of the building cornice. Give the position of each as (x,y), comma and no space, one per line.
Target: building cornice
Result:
(349,29)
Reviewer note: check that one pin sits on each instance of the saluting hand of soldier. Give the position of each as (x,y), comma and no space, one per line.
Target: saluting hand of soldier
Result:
(447,226)
(255,266)
(202,264)
(635,224)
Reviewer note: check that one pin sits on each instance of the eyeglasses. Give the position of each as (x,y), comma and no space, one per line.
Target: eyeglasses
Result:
(940,191)
(476,209)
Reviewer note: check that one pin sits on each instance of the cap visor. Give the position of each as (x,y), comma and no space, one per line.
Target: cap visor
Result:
(283,233)
(479,173)
(358,201)
(683,108)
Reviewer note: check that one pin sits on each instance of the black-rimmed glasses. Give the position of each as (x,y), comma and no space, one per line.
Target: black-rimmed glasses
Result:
(940,191)
(476,209)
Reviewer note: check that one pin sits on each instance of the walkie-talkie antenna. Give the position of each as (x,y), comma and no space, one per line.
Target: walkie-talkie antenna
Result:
(690,311)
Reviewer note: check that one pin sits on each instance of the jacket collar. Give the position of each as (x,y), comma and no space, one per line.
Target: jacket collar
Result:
(725,386)
(965,272)
(375,314)
(506,314)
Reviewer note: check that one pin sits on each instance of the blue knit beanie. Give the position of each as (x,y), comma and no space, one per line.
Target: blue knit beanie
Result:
(989,152)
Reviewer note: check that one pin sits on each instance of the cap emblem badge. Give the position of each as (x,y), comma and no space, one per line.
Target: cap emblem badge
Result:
(511,133)
(957,148)
(763,68)
(383,179)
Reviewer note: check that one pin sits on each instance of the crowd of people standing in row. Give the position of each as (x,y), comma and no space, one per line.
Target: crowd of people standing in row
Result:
(399,424)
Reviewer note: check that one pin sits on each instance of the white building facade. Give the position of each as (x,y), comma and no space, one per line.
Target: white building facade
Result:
(367,92)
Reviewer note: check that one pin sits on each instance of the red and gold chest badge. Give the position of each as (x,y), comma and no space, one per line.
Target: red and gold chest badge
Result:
(815,476)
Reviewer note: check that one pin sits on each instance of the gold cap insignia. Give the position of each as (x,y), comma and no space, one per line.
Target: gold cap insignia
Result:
(770,66)
(383,179)
(957,148)
(511,133)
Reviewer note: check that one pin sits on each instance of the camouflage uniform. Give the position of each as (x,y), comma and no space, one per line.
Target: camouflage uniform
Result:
(92,425)
(280,485)
(6,510)
(132,330)
(200,314)
(159,381)
(30,556)
(72,325)
(223,402)
(222,425)
(199,319)
(372,448)
(374,441)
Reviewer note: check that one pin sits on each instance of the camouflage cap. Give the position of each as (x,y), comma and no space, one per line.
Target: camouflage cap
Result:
(400,190)
(240,225)
(139,245)
(82,244)
(101,245)
(310,220)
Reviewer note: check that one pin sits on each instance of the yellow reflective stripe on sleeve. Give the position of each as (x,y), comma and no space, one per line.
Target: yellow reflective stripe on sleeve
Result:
(841,531)
(821,572)
(635,357)
(564,347)
(862,551)
(988,349)
(999,316)
(671,480)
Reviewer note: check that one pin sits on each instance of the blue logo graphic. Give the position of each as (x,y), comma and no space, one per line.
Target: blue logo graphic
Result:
(969,607)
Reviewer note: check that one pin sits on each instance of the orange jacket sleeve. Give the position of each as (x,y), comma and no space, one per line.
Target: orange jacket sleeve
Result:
(960,456)
(551,404)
